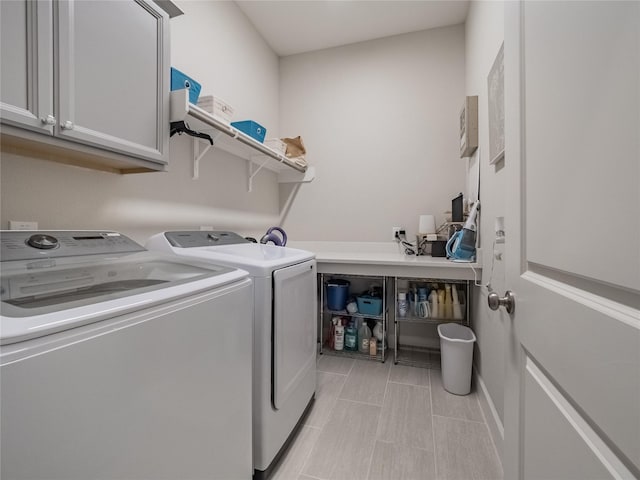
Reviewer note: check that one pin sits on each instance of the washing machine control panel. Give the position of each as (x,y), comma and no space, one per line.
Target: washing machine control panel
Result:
(42,241)
(25,245)
(199,238)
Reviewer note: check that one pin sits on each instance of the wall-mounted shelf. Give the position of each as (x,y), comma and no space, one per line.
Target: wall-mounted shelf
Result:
(234,141)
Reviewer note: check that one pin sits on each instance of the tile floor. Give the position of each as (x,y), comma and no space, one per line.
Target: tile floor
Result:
(379,421)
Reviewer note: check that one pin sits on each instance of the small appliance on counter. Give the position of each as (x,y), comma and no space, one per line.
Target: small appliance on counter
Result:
(461,247)
(432,245)
(428,241)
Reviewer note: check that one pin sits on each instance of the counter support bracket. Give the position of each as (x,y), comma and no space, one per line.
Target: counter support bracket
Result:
(198,154)
(253,171)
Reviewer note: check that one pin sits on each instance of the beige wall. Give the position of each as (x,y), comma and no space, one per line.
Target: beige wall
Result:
(214,43)
(484,35)
(380,122)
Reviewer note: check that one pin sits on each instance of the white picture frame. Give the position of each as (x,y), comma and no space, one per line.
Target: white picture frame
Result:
(495,85)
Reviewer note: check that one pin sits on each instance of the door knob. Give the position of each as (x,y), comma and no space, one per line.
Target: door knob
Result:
(508,301)
(68,125)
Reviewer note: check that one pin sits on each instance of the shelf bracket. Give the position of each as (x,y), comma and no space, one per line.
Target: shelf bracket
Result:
(253,172)
(198,154)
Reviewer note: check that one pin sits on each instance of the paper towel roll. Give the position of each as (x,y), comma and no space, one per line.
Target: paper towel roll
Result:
(427,224)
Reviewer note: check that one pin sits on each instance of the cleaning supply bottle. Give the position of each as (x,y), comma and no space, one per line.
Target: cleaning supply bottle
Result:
(338,340)
(373,347)
(441,296)
(402,304)
(414,300)
(448,302)
(351,337)
(457,309)
(377,331)
(331,343)
(433,303)
(364,334)
(422,294)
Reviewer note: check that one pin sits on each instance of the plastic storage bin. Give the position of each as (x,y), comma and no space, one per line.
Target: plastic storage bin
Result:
(368,305)
(337,294)
(251,128)
(179,81)
(456,350)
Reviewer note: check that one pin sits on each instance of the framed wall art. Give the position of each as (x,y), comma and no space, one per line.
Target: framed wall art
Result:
(495,84)
(469,127)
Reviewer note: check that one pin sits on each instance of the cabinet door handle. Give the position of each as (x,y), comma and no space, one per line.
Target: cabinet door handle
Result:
(48,120)
(68,125)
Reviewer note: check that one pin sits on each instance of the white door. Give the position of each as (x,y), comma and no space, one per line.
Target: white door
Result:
(572,130)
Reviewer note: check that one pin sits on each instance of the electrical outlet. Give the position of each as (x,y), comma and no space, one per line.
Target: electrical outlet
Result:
(22,225)
(395,231)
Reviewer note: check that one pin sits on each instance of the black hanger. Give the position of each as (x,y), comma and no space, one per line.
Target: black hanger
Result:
(181,127)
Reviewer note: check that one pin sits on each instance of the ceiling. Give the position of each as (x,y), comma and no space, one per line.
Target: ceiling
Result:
(298,26)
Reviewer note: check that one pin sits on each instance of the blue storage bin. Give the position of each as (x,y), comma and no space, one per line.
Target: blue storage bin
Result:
(181,81)
(251,128)
(368,305)
(337,294)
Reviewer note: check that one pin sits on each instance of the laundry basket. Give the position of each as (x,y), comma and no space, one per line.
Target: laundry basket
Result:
(456,350)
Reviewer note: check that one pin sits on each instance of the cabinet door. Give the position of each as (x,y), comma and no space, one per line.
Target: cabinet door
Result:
(26,76)
(113,80)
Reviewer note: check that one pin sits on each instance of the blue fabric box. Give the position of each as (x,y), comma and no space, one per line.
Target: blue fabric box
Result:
(251,128)
(180,81)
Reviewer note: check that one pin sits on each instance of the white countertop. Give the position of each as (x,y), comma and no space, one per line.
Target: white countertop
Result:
(384,258)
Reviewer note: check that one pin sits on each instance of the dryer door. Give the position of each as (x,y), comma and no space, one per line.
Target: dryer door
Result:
(294,328)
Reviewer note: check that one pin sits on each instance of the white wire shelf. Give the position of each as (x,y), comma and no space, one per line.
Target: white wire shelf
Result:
(234,141)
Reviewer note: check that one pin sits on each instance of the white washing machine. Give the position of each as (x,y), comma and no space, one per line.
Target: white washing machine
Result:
(119,363)
(284,370)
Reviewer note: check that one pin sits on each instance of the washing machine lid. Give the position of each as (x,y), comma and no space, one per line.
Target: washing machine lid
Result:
(258,259)
(48,295)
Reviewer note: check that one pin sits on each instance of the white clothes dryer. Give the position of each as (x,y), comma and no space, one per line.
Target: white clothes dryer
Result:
(285,306)
(120,363)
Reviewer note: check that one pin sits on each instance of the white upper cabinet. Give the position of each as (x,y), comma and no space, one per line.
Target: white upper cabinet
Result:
(108,102)
(113,76)
(26,76)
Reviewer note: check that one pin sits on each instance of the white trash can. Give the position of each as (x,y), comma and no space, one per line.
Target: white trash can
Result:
(456,350)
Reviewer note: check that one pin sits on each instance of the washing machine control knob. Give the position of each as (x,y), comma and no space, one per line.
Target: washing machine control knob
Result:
(42,241)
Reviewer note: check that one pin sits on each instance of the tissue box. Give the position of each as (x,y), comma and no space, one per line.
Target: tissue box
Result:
(180,81)
(217,107)
(251,128)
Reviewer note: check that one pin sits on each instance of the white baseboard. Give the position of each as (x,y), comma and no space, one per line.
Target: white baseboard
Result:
(492,418)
